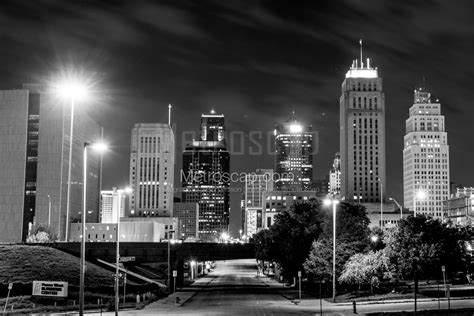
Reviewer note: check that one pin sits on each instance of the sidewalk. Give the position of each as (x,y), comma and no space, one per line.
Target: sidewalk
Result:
(184,294)
(292,294)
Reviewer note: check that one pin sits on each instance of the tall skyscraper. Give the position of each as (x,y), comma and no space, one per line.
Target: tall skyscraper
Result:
(335,176)
(34,155)
(293,155)
(256,183)
(206,177)
(112,204)
(362,134)
(425,157)
(152,170)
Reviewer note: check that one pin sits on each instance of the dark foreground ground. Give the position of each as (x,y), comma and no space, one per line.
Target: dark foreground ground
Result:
(234,289)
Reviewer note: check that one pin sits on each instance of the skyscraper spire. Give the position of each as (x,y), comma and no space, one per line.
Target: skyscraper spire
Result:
(361,60)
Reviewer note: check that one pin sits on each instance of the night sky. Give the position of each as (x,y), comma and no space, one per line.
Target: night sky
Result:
(253,61)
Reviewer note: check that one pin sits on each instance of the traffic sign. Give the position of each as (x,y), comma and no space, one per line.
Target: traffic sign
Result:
(126,259)
(443,268)
(10,286)
(175,273)
(299,274)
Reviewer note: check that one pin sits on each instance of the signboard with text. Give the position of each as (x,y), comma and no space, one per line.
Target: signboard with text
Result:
(126,259)
(50,288)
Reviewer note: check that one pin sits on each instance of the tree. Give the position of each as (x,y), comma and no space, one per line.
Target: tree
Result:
(370,268)
(428,244)
(289,239)
(352,236)
(41,233)
(318,266)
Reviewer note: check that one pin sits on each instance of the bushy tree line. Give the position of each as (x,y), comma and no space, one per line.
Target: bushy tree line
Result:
(289,240)
(301,239)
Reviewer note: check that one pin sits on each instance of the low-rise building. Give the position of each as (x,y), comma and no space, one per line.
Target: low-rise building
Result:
(172,224)
(129,232)
(460,210)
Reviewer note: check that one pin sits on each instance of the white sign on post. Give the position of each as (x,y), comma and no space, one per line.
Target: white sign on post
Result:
(299,274)
(10,286)
(50,288)
(443,268)
(175,273)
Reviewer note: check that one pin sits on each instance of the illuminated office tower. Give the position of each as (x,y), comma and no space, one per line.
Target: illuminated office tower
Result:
(152,170)
(293,155)
(425,157)
(112,203)
(205,177)
(256,183)
(362,134)
(335,176)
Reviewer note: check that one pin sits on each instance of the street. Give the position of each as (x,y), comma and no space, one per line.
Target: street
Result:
(233,288)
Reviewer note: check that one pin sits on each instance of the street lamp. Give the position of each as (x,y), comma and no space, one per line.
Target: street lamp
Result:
(117,255)
(334,202)
(381,202)
(420,195)
(73,89)
(49,211)
(98,147)
(398,205)
(169,257)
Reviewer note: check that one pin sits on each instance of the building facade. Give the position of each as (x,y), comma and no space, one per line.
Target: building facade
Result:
(362,134)
(274,202)
(34,137)
(293,155)
(425,157)
(188,216)
(256,183)
(112,205)
(335,176)
(206,177)
(129,232)
(460,210)
(152,162)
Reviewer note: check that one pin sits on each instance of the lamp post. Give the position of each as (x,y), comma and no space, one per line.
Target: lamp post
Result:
(117,254)
(398,205)
(72,89)
(381,203)
(99,147)
(169,258)
(49,211)
(420,195)
(334,203)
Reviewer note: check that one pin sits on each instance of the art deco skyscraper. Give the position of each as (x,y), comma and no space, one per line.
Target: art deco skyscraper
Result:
(425,157)
(293,155)
(152,170)
(362,134)
(205,177)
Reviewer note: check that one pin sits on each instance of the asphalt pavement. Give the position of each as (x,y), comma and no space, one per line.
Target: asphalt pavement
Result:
(234,288)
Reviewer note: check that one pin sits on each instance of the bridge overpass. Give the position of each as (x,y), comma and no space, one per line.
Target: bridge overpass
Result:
(149,252)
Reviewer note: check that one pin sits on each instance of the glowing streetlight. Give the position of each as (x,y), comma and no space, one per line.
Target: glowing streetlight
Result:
(420,196)
(225,236)
(333,202)
(398,205)
(97,147)
(72,88)
(127,190)
(374,238)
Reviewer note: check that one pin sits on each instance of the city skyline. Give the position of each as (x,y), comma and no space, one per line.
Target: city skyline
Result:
(255,81)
